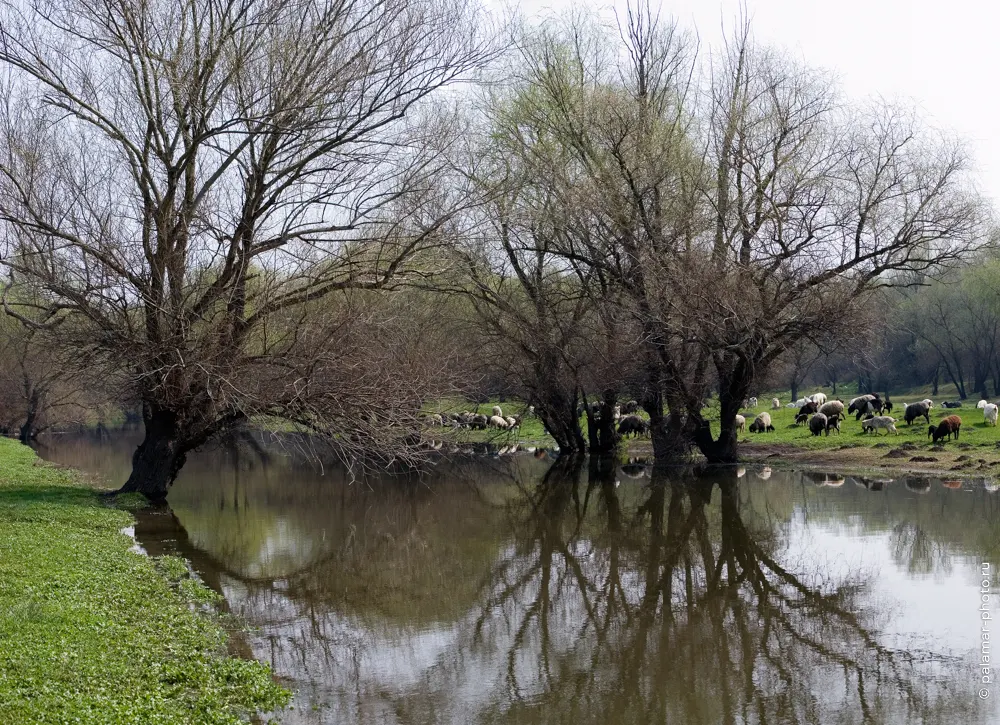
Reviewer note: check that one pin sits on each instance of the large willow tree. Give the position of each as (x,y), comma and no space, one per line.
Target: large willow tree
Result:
(738,204)
(199,184)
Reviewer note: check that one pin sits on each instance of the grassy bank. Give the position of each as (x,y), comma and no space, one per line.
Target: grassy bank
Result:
(977,452)
(95,633)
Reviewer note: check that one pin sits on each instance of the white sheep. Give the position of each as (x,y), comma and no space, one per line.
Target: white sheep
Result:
(879,422)
(752,403)
(497,411)
(818,398)
(799,403)
(981,404)
(511,421)
(498,422)
(928,402)
(990,413)
(741,423)
(775,403)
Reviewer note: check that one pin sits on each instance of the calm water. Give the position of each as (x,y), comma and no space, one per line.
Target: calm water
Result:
(511,590)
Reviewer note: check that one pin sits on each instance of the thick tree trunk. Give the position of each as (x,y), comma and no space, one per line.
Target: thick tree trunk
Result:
(601,431)
(28,433)
(795,389)
(158,458)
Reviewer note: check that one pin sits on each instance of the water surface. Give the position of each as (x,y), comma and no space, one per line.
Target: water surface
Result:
(509,589)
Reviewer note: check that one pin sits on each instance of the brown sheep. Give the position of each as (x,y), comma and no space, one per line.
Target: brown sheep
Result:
(946,427)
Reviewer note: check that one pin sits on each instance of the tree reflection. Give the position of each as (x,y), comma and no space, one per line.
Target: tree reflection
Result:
(591,594)
(696,621)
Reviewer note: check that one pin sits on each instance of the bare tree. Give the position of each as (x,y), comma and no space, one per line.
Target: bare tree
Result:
(195,181)
(742,213)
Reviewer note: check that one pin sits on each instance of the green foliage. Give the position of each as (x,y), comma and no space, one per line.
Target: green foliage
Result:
(94,632)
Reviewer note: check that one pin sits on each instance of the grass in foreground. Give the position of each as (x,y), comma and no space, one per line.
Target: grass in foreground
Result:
(95,633)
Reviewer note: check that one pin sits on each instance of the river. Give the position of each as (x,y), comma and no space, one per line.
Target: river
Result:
(510,589)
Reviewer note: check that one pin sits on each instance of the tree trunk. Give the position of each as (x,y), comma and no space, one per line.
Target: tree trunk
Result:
(601,431)
(795,389)
(158,458)
(937,378)
(28,432)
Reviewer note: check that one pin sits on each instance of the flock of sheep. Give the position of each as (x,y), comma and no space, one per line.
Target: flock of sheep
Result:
(823,416)
(477,421)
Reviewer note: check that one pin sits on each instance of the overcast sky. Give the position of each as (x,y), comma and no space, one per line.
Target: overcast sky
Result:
(942,57)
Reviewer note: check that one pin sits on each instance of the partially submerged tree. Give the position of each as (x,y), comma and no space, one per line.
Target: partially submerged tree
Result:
(192,179)
(742,213)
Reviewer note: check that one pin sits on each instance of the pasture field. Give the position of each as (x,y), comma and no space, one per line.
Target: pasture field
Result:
(94,632)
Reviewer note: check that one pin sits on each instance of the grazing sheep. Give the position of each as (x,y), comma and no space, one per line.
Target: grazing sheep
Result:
(798,403)
(801,418)
(630,407)
(887,406)
(762,423)
(981,404)
(832,407)
(857,403)
(990,413)
(946,427)
(775,403)
(833,423)
(497,411)
(818,398)
(632,425)
(817,424)
(512,422)
(741,423)
(498,421)
(752,403)
(949,404)
(879,422)
(479,421)
(915,410)
(808,409)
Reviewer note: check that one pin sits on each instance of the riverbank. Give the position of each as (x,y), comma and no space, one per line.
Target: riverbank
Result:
(96,633)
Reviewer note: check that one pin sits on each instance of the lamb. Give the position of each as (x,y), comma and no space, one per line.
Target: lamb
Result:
(497,411)
(497,421)
(762,423)
(752,403)
(956,404)
(632,425)
(741,423)
(946,427)
(801,418)
(775,403)
(981,404)
(833,423)
(879,422)
(832,407)
(915,410)
(817,424)
(818,398)
(990,413)
(512,422)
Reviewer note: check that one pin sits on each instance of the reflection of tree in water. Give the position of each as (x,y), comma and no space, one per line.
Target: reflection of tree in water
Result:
(696,622)
(668,599)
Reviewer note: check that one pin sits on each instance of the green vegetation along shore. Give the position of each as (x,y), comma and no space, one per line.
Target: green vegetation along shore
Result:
(95,633)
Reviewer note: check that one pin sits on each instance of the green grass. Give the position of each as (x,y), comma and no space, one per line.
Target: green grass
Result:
(92,632)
